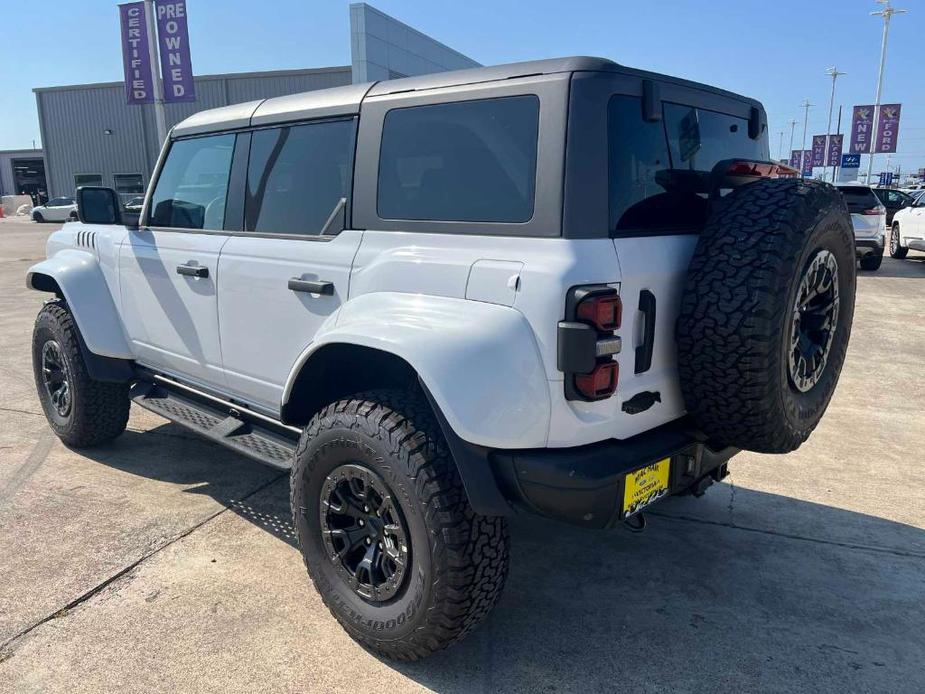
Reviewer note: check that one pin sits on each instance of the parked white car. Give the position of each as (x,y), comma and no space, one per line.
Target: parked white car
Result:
(908,229)
(56,210)
(868,217)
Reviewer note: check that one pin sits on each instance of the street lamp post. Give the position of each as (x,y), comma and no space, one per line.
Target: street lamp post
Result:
(805,106)
(793,125)
(834,73)
(887,13)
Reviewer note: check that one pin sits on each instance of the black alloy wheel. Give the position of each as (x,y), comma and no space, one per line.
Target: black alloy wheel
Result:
(814,321)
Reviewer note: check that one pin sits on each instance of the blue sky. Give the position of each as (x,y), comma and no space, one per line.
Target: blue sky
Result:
(774,51)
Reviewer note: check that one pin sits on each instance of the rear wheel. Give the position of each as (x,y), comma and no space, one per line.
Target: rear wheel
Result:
(766,314)
(38,217)
(385,528)
(896,250)
(81,411)
(872,261)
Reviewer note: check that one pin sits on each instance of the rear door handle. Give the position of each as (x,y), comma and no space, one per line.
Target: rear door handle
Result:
(297,284)
(644,351)
(193,270)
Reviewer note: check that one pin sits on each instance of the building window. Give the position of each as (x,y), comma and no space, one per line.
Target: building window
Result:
(297,176)
(466,161)
(87,180)
(128,184)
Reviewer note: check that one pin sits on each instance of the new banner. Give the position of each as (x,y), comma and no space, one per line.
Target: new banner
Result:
(818,150)
(795,157)
(808,162)
(833,154)
(136,58)
(173,42)
(862,123)
(888,127)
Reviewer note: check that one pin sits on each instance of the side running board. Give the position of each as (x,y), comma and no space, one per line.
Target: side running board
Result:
(240,431)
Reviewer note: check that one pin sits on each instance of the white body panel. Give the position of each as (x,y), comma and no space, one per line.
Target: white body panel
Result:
(172,319)
(265,326)
(868,226)
(54,211)
(911,221)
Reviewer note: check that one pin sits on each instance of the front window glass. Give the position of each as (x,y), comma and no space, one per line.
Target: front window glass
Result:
(191,188)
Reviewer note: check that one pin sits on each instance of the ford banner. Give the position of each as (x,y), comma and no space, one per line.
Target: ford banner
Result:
(833,154)
(173,43)
(136,58)
(888,127)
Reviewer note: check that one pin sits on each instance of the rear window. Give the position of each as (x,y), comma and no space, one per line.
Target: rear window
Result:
(858,198)
(467,161)
(659,170)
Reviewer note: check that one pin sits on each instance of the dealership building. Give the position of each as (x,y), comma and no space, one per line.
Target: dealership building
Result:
(90,136)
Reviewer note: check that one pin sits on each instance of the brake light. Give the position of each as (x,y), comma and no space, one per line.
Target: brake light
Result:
(757,169)
(600,383)
(872,210)
(604,312)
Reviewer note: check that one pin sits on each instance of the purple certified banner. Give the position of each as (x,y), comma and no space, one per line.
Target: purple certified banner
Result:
(136,58)
(818,150)
(862,125)
(888,127)
(833,154)
(807,162)
(173,42)
(796,156)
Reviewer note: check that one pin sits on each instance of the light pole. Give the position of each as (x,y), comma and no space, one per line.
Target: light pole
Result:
(887,13)
(780,146)
(160,120)
(834,73)
(793,125)
(805,106)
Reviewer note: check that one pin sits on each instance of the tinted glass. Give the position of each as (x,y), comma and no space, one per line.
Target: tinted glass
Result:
(699,138)
(87,180)
(129,184)
(469,161)
(641,194)
(858,198)
(191,188)
(297,175)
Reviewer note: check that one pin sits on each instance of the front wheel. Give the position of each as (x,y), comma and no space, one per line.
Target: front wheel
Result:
(386,530)
(896,249)
(81,411)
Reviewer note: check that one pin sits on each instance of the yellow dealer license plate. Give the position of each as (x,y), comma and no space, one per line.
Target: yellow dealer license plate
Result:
(644,486)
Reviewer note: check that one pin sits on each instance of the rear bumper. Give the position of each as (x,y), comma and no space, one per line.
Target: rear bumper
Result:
(584,485)
(867,246)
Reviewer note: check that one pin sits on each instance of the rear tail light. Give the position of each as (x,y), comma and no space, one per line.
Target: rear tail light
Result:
(587,342)
(759,169)
(600,383)
(872,210)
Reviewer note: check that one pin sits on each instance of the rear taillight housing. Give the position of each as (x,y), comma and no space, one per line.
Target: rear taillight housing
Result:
(587,342)
(873,210)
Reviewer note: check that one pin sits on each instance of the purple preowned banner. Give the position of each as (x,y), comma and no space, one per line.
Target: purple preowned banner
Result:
(795,157)
(173,42)
(836,142)
(862,123)
(136,58)
(807,162)
(888,127)
(818,150)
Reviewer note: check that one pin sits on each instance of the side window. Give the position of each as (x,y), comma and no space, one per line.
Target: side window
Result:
(466,161)
(297,175)
(191,188)
(87,180)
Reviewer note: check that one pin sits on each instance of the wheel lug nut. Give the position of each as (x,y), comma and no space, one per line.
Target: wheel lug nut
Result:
(366,509)
(361,523)
(368,541)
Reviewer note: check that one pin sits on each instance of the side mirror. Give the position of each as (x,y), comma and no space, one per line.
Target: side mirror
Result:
(97,205)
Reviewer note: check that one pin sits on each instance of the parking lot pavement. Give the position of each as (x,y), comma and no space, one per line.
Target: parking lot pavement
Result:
(163,563)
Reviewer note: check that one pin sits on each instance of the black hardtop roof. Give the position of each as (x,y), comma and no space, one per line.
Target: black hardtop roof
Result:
(347,100)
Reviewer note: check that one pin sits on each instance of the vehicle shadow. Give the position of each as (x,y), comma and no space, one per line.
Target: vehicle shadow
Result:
(738,591)
(912,266)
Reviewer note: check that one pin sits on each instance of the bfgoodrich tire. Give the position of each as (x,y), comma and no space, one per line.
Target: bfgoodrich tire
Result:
(386,530)
(766,314)
(80,410)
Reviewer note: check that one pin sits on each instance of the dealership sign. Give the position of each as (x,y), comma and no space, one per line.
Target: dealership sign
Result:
(888,127)
(808,162)
(862,122)
(818,150)
(795,156)
(173,44)
(833,155)
(136,58)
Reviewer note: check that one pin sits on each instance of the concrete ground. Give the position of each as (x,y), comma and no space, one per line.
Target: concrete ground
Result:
(162,563)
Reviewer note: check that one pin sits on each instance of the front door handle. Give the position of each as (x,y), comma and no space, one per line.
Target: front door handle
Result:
(193,270)
(297,284)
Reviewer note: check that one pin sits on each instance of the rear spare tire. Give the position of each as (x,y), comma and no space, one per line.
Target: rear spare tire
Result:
(766,314)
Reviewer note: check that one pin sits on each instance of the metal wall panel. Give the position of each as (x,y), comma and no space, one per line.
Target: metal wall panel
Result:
(74,119)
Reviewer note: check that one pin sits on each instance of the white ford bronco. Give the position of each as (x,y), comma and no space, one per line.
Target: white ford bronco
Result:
(564,287)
